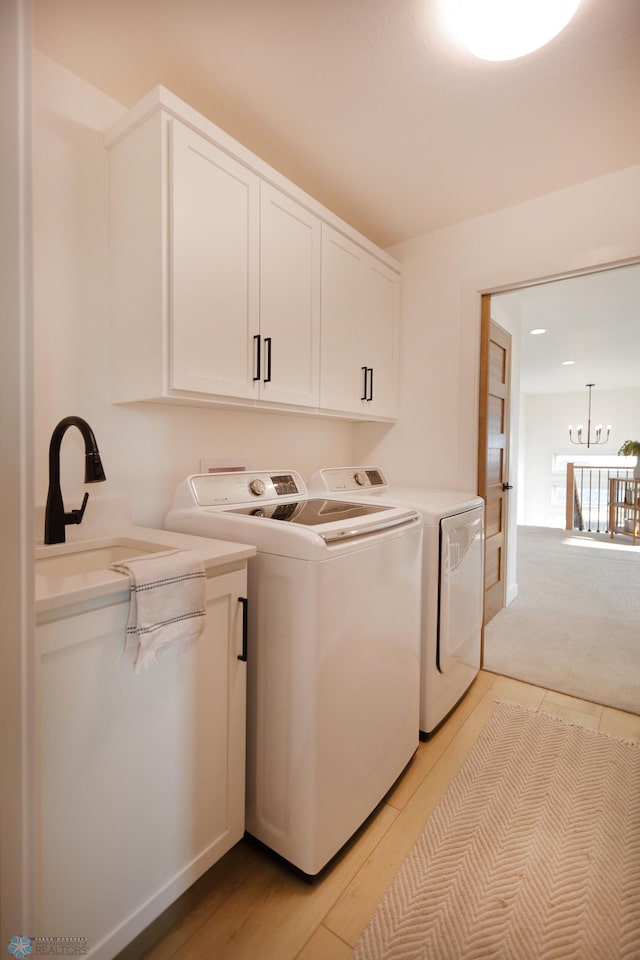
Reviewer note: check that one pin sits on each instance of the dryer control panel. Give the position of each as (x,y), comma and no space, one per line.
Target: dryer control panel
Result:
(345,479)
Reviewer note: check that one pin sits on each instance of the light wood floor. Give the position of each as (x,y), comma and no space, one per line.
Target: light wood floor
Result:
(250,905)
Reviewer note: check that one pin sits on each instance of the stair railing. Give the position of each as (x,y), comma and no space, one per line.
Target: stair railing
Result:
(587,497)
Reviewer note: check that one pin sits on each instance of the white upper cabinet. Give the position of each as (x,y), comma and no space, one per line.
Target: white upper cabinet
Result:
(231,286)
(360,301)
(289,342)
(341,297)
(214,258)
(245,281)
(379,336)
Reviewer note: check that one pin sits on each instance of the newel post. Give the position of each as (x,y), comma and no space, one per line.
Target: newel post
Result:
(571,485)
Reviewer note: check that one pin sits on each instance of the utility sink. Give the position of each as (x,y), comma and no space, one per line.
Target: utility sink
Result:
(84,558)
(72,572)
(75,576)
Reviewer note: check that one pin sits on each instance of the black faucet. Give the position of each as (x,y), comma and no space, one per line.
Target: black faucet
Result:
(55,519)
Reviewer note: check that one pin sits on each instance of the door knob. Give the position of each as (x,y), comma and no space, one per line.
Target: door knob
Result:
(507,486)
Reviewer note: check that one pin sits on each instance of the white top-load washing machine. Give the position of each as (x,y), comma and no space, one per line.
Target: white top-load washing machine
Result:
(453,579)
(333,672)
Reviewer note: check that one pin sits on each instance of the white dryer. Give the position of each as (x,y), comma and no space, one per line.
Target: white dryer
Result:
(333,671)
(452,579)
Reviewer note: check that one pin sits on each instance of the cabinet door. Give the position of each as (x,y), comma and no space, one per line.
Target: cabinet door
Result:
(378,336)
(289,300)
(360,299)
(141,777)
(341,385)
(214,268)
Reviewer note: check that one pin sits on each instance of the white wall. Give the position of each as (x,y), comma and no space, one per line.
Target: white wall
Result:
(546,433)
(146,448)
(444,273)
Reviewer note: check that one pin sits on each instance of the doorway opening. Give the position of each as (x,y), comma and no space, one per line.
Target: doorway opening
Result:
(588,319)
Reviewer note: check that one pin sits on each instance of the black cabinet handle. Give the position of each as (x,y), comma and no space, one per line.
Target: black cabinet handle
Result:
(267,341)
(367,383)
(245,627)
(256,340)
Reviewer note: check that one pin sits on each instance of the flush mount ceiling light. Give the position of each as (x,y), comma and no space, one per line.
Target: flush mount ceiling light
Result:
(506,29)
(537,331)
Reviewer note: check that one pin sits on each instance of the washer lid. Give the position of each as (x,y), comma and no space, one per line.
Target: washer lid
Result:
(344,521)
(236,507)
(312,512)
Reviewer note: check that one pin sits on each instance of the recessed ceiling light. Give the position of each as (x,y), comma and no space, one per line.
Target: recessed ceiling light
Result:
(506,29)
(537,330)
(567,363)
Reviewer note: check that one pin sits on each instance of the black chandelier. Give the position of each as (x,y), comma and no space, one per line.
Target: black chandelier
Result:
(589,442)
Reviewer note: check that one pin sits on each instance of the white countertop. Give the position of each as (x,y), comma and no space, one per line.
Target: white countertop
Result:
(55,591)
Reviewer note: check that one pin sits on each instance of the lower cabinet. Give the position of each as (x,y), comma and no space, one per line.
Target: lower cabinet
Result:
(140,777)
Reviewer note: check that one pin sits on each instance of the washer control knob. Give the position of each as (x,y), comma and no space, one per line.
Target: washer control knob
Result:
(360,478)
(257,487)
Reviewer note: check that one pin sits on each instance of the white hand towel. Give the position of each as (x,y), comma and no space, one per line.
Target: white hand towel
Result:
(167,608)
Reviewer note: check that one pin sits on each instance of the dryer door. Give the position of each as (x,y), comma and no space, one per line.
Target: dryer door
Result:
(461,589)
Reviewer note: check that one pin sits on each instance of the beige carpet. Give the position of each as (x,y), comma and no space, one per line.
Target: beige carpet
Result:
(575,625)
(532,854)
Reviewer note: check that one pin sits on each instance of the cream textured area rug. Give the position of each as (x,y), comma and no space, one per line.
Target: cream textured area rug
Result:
(575,625)
(532,854)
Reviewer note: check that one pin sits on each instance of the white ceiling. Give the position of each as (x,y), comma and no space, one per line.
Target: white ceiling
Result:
(374,109)
(370,105)
(593,320)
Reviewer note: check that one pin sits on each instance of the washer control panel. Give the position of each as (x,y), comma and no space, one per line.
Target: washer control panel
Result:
(257,486)
(244,486)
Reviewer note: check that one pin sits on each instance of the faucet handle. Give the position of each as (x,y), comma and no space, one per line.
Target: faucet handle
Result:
(76,515)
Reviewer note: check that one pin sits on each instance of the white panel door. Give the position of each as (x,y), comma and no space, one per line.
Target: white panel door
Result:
(289,300)
(342,382)
(214,257)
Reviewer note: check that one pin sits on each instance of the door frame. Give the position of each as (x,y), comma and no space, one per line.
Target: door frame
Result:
(558,267)
(16,503)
